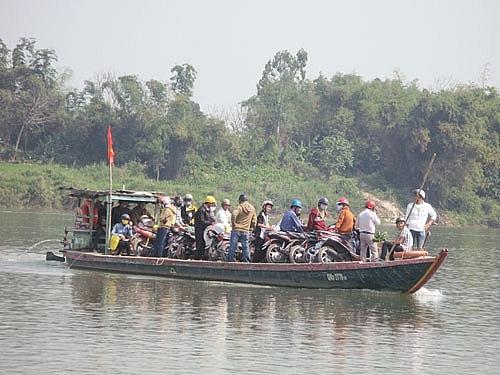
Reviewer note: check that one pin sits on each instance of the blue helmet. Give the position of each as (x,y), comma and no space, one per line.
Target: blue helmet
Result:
(296,203)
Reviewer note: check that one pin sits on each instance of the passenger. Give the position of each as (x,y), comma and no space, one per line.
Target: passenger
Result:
(203,218)
(365,223)
(178,203)
(317,216)
(261,228)
(138,211)
(346,220)
(403,243)
(167,219)
(123,230)
(223,215)
(421,218)
(243,219)
(188,210)
(290,221)
(118,211)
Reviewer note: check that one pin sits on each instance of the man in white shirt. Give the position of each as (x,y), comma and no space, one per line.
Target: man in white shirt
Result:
(420,218)
(223,216)
(365,223)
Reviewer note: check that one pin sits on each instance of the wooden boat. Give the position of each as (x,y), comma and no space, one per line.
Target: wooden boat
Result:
(406,275)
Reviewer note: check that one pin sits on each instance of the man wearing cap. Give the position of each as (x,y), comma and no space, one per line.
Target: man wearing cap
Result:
(223,215)
(420,216)
(403,243)
(243,219)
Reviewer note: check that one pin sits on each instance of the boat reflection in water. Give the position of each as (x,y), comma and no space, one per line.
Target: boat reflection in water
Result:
(174,307)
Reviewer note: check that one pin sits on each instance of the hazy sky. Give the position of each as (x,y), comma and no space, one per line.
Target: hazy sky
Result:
(229,42)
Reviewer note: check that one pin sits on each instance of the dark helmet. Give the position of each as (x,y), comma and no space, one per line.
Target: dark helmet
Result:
(296,203)
(178,200)
(323,201)
(400,219)
(125,217)
(243,198)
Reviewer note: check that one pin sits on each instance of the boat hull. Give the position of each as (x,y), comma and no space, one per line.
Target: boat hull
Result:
(405,276)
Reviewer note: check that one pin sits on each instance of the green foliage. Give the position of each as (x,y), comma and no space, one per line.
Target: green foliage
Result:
(297,138)
(380,237)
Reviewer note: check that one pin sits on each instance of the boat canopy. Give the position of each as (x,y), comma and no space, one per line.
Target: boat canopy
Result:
(89,232)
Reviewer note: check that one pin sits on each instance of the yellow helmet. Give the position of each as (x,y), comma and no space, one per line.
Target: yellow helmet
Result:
(210,199)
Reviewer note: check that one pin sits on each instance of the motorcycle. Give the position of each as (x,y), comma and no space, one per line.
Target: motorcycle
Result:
(308,250)
(335,248)
(182,243)
(279,244)
(218,241)
(144,235)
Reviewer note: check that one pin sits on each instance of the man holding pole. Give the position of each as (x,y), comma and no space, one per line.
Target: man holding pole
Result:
(419,215)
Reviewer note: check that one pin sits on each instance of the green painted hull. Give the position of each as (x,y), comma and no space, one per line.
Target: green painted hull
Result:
(405,276)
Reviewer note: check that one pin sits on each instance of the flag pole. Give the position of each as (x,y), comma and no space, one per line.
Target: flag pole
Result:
(111,161)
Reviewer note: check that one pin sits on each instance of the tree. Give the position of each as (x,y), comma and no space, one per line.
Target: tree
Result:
(33,99)
(274,110)
(182,81)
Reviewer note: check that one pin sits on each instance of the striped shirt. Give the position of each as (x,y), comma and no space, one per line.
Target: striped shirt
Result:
(408,239)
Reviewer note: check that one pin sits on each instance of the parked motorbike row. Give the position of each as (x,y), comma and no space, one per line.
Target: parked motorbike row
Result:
(280,246)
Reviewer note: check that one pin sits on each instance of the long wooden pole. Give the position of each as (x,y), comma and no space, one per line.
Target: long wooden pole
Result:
(414,202)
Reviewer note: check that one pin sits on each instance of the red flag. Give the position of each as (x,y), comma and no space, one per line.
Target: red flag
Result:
(111,153)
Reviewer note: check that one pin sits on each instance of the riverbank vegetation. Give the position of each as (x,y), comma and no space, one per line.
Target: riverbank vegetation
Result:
(297,137)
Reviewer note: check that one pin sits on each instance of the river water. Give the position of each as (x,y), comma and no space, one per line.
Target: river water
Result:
(57,320)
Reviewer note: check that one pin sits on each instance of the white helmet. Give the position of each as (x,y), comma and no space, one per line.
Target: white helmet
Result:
(166,201)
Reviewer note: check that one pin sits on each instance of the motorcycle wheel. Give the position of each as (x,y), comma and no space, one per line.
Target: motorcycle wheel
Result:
(274,254)
(328,254)
(173,248)
(223,251)
(143,250)
(297,254)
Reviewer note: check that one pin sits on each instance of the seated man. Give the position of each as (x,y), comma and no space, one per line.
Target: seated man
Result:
(123,230)
(403,243)
(290,221)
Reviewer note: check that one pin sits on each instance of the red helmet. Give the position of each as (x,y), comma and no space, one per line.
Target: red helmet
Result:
(343,201)
(370,204)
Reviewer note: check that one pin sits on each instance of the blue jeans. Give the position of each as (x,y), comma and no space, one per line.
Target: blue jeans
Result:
(161,237)
(241,237)
(418,238)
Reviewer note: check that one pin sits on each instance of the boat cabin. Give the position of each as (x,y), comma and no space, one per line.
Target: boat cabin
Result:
(95,211)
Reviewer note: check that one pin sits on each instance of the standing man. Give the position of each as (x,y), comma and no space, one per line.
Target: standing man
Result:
(365,223)
(260,230)
(203,218)
(242,219)
(421,218)
(167,220)
(223,215)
